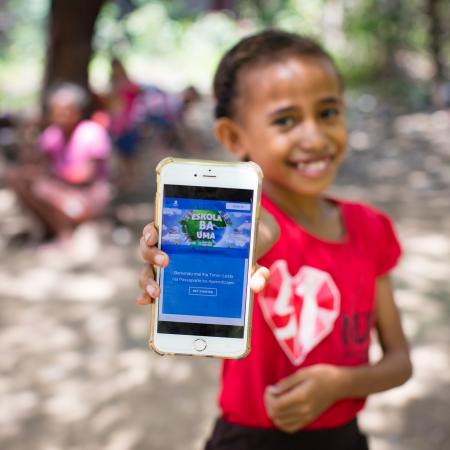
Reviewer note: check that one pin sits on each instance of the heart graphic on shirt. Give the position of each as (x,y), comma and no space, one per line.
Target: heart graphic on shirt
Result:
(300,310)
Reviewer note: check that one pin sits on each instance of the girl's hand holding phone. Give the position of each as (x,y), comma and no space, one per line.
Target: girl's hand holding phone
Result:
(155,257)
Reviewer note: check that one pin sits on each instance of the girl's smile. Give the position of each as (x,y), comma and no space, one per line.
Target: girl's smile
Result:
(312,167)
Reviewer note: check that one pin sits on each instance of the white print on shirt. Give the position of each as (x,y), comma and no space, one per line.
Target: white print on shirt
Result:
(300,310)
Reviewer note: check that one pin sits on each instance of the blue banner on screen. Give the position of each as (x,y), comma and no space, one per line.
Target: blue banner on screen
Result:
(208,242)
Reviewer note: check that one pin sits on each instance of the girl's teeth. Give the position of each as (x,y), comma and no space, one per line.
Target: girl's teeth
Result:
(315,166)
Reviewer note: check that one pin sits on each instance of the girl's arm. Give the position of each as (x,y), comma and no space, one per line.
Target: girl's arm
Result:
(395,367)
(268,233)
(300,398)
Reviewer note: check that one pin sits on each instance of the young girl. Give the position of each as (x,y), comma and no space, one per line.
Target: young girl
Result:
(280,104)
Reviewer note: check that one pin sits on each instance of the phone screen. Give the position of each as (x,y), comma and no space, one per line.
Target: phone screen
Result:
(206,233)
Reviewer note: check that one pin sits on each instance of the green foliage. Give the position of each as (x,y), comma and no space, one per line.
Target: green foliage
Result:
(24,34)
(22,52)
(149,38)
(175,42)
(379,28)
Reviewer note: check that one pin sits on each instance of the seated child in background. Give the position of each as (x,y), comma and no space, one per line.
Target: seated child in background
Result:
(70,185)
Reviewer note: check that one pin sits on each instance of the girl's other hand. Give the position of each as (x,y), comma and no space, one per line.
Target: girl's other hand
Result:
(300,398)
(155,257)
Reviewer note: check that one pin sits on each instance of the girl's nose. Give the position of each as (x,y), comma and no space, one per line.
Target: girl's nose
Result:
(311,137)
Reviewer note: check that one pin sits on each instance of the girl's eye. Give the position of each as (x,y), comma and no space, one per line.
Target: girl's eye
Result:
(285,122)
(329,113)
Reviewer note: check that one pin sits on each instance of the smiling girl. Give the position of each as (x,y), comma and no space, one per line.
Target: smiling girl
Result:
(280,104)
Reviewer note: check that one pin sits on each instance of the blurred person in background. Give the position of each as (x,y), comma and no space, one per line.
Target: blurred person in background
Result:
(166,113)
(68,183)
(122,102)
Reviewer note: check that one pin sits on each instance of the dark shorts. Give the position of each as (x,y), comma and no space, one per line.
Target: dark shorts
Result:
(227,436)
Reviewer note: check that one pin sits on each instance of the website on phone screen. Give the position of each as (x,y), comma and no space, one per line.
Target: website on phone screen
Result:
(206,232)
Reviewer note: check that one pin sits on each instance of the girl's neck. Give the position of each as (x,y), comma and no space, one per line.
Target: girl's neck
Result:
(317,215)
(69,131)
(300,207)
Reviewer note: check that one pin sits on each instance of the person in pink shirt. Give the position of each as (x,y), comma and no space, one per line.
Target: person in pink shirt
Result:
(70,185)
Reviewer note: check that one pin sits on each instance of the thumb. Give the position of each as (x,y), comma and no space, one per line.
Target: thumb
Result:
(259,279)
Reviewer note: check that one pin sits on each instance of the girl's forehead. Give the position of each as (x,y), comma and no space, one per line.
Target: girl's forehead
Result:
(305,76)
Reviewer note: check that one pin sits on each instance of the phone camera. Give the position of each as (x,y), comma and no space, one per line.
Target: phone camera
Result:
(195,174)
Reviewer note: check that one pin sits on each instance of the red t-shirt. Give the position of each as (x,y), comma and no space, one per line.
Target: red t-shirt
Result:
(318,307)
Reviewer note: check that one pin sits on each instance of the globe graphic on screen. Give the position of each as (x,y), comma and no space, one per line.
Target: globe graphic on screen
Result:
(204,226)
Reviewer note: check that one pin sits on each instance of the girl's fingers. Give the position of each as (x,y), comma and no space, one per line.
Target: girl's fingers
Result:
(152,289)
(147,247)
(145,276)
(259,279)
(147,282)
(144,299)
(152,254)
(150,235)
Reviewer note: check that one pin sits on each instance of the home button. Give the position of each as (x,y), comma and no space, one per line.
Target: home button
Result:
(199,345)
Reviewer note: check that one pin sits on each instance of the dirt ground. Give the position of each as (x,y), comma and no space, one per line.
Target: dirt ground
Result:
(75,371)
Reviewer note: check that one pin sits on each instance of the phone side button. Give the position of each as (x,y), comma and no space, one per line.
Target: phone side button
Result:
(199,345)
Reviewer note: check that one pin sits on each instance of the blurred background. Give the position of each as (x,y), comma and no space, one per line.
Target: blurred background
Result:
(75,371)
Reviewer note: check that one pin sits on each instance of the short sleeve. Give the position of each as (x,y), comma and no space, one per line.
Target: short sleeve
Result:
(387,245)
(95,140)
(102,149)
(51,140)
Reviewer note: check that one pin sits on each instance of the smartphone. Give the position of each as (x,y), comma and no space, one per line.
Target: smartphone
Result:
(206,213)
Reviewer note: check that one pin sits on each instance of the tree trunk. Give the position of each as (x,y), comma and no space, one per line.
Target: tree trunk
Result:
(438,94)
(70,32)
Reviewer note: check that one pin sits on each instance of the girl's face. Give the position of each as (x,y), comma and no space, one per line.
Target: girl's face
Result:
(289,119)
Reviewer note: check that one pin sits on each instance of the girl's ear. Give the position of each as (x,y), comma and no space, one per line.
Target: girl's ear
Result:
(230,135)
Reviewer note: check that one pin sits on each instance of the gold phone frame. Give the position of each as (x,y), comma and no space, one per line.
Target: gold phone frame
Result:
(158,215)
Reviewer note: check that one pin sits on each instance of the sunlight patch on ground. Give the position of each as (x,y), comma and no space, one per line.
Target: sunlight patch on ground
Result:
(430,270)
(63,367)
(431,360)
(109,416)
(125,438)
(70,402)
(135,369)
(434,245)
(33,284)
(138,326)
(86,288)
(173,370)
